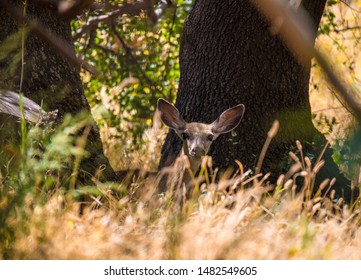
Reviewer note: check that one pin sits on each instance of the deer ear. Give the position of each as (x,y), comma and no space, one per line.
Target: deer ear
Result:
(228,120)
(170,115)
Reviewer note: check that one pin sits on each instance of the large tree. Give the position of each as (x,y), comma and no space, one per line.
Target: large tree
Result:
(229,56)
(49,78)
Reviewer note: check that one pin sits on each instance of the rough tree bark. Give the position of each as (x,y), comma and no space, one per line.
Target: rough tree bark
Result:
(228,56)
(49,79)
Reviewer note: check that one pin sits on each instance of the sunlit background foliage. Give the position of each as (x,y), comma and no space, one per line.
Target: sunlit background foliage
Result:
(138,61)
(339,37)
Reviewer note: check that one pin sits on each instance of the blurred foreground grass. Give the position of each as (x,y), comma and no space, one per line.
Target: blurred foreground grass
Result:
(235,218)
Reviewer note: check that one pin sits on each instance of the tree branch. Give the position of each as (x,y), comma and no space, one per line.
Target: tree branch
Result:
(128,51)
(350,28)
(315,11)
(127,9)
(295,33)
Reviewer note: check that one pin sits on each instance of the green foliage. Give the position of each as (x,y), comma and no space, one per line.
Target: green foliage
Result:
(346,149)
(48,164)
(329,19)
(323,121)
(139,64)
(57,153)
(10,52)
(347,154)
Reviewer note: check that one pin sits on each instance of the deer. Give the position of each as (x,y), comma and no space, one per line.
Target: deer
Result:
(197,139)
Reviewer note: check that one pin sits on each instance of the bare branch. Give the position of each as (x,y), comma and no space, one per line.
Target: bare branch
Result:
(133,9)
(127,9)
(350,28)
(129,53)
(348,4)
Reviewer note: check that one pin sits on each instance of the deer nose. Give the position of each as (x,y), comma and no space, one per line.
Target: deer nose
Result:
(197,152)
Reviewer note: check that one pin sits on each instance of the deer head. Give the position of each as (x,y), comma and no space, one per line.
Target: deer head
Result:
(198,137)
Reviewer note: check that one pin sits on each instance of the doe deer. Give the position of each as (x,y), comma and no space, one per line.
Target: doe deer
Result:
(197,139)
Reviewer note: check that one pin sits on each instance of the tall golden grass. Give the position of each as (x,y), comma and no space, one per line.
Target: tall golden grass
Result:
(235,218)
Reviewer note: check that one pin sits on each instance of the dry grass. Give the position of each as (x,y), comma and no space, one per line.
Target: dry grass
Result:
(239,217)
(220,223)
(251,230)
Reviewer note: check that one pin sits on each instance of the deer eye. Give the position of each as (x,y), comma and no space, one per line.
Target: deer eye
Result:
(210,137)
(185,136)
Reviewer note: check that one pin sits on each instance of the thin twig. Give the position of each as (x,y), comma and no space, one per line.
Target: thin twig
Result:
(23,29)
(129,53)
(127,9)
(347,29)
(352,8)
(328,109)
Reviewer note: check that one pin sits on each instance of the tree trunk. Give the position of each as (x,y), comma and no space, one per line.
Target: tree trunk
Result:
(228,57)
(50,79)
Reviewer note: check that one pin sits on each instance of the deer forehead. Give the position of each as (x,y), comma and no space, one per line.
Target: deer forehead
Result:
(198,129)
